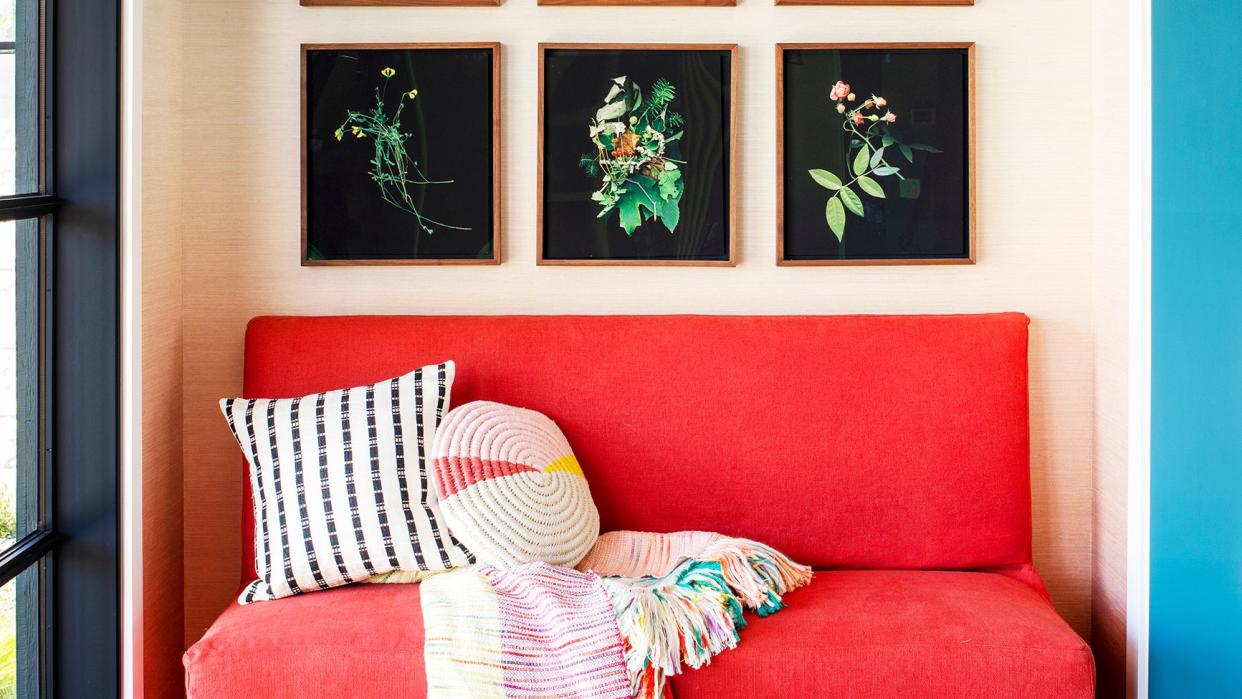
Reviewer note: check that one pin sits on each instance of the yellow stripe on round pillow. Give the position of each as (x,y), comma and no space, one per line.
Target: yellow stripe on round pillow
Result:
(510,488)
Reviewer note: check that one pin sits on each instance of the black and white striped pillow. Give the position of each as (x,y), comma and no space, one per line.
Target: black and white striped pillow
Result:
(340,486)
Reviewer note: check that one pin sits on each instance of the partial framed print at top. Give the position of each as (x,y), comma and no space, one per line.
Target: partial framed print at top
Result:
(397,3)
(875,154)
(401,154)
(636,154)
(644,3)
(876,2)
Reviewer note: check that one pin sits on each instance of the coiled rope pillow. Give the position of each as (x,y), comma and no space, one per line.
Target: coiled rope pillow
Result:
(510,487)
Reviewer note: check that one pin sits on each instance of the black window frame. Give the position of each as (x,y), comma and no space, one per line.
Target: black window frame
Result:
(72,268)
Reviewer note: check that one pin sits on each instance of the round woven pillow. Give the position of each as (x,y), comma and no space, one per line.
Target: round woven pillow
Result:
(510,487)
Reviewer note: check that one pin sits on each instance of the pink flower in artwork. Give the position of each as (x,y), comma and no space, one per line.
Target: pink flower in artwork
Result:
(890,117)
(839,91)
(840,108)
(858,119)
(881,102)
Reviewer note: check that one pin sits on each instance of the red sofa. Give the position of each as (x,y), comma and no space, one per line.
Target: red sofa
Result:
(891,453)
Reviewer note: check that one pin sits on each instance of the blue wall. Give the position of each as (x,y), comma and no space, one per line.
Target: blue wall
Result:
(1196,484)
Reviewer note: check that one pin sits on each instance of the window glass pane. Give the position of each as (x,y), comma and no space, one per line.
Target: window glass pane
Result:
(8,386)
(8,640)
(19,640)
(19,103)
(19,352)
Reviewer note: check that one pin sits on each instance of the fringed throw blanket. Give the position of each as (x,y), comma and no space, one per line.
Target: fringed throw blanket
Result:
(533,631)
(664,601)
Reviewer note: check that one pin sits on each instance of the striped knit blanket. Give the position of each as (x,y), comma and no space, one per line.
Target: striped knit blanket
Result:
(666,601)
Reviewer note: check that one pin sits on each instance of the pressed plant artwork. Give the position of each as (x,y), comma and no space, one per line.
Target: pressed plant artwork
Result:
(873,141)
(393,171)
(636,155)
(636,164)
(400,154)
(881,173)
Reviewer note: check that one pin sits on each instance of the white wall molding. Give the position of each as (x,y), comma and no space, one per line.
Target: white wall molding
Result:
(131,351)
(1138,569)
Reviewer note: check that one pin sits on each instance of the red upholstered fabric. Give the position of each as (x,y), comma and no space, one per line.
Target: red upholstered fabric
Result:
(881,634)
(895,442)
(903,634)
(355,641)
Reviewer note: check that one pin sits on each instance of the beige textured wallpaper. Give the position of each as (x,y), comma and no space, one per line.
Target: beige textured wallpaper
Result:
(239,82)
(163,614)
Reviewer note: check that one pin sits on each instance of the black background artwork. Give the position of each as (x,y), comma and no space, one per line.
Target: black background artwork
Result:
(575,83)
(451,138)
(924,217)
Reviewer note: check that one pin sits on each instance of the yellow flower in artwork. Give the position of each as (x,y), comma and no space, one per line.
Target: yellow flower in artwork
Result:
(357,132)
(340,133)
(412,94)
(388,72)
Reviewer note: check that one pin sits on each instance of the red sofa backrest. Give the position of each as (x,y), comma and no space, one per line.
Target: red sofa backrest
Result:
(845,441)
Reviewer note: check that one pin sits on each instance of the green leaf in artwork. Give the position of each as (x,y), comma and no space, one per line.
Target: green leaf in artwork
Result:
(886,171)
(669,182)
(862,160)
(925,147)
(588,164)
(887,141)
(835,214)
(877,158)
(826,179)
(670,212)
(908,152)
(671,186)
(871,187)
(628,210)
(851,201)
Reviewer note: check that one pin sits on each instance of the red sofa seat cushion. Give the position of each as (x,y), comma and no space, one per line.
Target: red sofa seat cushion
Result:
(888,634)
(896,634)
(356,641)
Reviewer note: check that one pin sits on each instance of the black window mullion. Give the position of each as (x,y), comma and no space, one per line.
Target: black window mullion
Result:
(22,206)
(83,103)
(65,569)
(25,553)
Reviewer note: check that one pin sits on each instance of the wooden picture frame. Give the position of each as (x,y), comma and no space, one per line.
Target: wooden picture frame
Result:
(970,215)
(497,161)
(730,171)
(880,3)
(641,3)
(400,3)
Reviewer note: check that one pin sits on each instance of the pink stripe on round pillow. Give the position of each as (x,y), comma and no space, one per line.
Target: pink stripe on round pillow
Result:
(510,487)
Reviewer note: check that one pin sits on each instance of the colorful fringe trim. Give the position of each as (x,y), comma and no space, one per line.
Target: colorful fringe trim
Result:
(688,605)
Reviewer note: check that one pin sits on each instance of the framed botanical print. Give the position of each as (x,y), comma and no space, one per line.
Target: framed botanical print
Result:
(401,154)
(398,3)
(875,154)
(645,3)
(636,154)
(876,2)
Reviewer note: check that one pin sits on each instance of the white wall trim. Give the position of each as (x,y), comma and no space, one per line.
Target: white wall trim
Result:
(1138,535)
(131,350)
